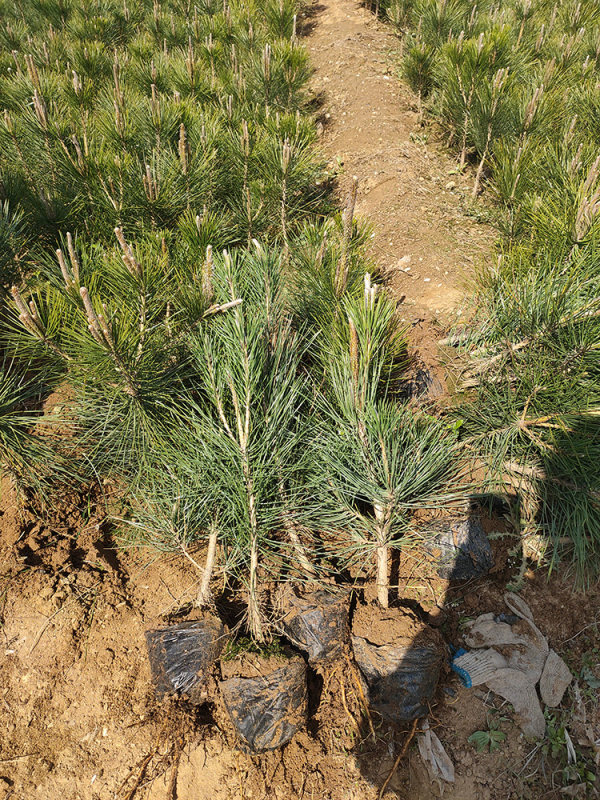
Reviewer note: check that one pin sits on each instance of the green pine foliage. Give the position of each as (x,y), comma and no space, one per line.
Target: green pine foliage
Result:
(533,410)
(181,128)
(132,114)
(236,463)
(378,460)
(516,86)
(13,243)
(174,260)
(111,323)
(251,427)
(27,455)
(144,152)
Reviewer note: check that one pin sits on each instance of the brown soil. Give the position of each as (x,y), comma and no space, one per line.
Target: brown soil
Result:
(387,626)
(249,665)
(82,721)
(409,190)
(80,717)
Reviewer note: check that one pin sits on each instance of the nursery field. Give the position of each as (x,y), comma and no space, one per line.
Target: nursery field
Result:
(300,377)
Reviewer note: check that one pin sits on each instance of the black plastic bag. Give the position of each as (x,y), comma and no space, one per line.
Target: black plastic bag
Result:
(316,622)
(422,384)
(268,710)
(181,656)
(460,549)
(401,679)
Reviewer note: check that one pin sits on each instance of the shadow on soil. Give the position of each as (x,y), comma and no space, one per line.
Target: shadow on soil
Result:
(404,658)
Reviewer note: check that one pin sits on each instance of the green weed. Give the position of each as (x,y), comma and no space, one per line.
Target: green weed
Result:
(492,738)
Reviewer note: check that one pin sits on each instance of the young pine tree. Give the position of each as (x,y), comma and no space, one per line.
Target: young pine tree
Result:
(379,460)
(248,429)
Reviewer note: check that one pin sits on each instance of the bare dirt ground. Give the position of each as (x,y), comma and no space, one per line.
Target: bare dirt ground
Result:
(80,720)
(79,717)
(409,189)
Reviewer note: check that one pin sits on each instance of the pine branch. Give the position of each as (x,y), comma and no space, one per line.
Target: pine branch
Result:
(100,331)
(31,321)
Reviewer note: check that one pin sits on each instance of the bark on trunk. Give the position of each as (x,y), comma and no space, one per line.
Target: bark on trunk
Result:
(300,551)
(254,620)
(205,594)
(382,575)
(382,556)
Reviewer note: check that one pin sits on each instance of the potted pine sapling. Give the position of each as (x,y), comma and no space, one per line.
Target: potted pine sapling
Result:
(328,264)
(380,463)
(172,512)
(249,427)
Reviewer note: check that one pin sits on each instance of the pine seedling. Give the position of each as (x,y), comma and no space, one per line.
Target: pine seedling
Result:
(417,68)
(280,18)
(113,342)
(381,467)
(539,440)
(379,461)
(510,172)
(398,12)
(386,444)
(249,364)
(533,418)
(524,11)
(470,76)
(438,22)
(490,118)
(364,340)
(28,315)
(316,255)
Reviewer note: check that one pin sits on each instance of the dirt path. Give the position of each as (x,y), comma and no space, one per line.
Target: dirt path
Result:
(409,189)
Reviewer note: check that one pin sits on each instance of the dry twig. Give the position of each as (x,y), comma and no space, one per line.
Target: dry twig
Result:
(401,755)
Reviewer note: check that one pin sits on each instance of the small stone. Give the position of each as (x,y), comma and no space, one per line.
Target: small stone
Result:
(450,185)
